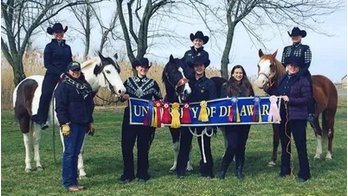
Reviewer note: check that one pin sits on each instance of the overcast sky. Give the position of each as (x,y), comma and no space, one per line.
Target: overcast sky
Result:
(329,53)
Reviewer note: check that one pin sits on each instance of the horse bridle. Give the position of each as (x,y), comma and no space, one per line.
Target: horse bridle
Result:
(269,78)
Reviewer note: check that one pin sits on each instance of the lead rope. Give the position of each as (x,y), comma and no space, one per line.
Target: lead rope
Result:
(289,136)
(204,132)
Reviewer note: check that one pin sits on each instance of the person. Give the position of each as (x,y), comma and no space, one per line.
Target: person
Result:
(57,56)
(198,40)
(303,52)
(237,135)
(74,107)
(202,89)
(296,94)
(142,87)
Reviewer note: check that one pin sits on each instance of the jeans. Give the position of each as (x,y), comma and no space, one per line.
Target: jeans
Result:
(73,145)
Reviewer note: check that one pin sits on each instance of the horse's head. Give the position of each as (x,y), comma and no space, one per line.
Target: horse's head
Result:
(175,78)
(104,72)
(267,69)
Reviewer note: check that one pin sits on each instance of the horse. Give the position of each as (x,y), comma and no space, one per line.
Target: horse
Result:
(324,92)
(99,72)
(175,80)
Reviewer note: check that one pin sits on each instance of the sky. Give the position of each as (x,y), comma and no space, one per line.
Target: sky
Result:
(329,53)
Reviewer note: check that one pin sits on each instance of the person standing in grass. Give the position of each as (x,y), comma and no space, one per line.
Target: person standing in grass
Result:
(57,56)
(203,89)
(142,87)
(74,107)
(237,135)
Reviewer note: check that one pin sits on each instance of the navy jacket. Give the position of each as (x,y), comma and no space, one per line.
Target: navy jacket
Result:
(192,53)
(202,89)
(71,105)
(57,57)
(298,91)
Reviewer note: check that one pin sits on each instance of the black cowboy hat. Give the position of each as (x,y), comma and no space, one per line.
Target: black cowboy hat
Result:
(296,32)
(297,61)
(57,28)
(199,35)
(144,62)
(199,60)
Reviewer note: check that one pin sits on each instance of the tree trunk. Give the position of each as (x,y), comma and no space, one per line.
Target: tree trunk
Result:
(17,68)
(225,55)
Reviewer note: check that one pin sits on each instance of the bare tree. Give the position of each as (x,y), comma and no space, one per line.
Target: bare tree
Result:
(254,14)
(139,38)
(20,20)
(84,14)
(107,30)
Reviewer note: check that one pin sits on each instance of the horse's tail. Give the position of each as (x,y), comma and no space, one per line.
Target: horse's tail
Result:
(324,126)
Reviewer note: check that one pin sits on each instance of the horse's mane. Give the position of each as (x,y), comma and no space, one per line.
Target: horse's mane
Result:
(168,68)
(92,61)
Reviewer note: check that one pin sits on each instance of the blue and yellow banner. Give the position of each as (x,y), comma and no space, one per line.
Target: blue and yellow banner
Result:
(217,112)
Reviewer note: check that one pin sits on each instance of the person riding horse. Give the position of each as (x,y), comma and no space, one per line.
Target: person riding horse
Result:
(303,56)
(57,56)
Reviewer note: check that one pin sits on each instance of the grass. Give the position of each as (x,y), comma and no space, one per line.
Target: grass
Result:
(103,162)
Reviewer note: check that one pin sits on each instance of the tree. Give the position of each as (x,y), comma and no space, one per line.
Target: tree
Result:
(253,14)
(140,39)
(20,20)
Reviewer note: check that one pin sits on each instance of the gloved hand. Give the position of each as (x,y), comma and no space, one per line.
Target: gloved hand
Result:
(65,130)
(91,129)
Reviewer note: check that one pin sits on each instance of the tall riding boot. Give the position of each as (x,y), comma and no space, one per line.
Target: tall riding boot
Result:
(224,166)
(239,169)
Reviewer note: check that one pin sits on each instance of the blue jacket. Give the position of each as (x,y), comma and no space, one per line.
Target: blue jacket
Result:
(57,57)
(73,105)
(202,89)
(299,93)
(192,53)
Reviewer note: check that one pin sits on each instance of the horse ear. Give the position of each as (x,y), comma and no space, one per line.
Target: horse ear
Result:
(100,56)
(171,58)
(97,70)
(260,53)
(274,54)
(116,56)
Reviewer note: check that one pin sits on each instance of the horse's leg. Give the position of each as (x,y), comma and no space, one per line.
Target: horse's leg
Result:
(317,131)
(36,143)
(189,162)
(176,146)
(275,145)
(328,127)
(27,145)
(80,166)
(25,126)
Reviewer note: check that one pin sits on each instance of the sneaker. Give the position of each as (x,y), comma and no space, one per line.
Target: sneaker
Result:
(43,126)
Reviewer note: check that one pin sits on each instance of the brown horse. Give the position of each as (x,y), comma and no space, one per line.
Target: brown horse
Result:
(324,91)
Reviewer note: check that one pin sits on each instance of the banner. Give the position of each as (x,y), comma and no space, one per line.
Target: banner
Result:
(225,111)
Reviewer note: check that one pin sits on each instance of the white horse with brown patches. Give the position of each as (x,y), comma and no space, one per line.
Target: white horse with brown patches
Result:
(99,72)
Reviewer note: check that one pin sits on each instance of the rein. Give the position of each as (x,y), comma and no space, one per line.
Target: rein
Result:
(269,78)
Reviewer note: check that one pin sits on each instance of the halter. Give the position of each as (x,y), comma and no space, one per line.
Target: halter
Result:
(269,78)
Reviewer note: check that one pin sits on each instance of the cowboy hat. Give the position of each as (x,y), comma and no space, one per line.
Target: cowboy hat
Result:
(199,35)
(296,32)
(144,62)
(199,60)
(57,28)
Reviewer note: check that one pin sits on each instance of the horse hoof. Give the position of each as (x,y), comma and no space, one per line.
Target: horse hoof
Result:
(271,164)
(82,177)
(39,168)
(317,157)
(28,170)
(189,169)
(328,158)
(172,168)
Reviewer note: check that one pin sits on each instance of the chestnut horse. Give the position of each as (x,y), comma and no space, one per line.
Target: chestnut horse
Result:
(325,94)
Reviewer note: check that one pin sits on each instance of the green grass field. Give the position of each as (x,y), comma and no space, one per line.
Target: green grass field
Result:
(103,164)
